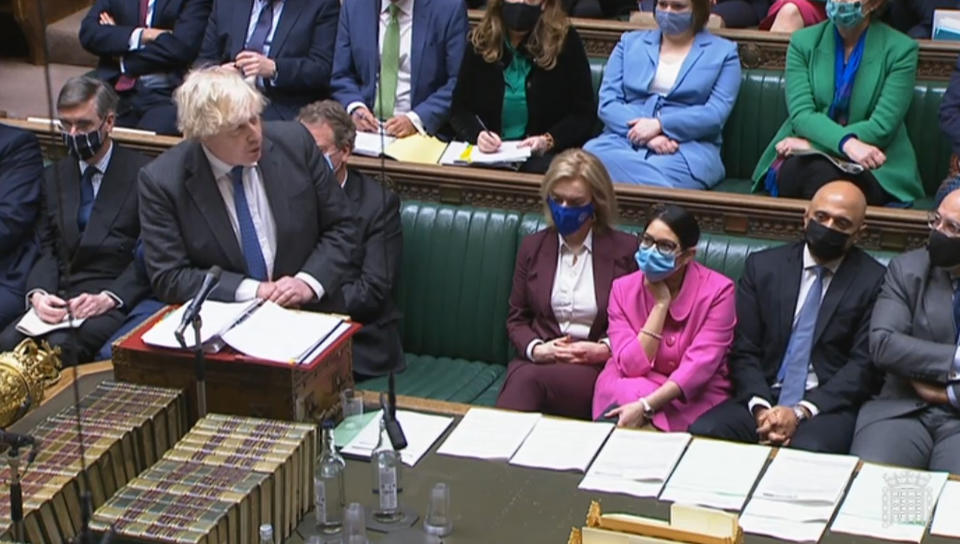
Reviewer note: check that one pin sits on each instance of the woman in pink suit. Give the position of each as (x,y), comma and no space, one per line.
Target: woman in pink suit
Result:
(671,325)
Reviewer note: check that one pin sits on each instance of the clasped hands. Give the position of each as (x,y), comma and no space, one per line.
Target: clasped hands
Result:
(253,64)
(648,132)
(53,309)
(147,34)
(864,154)
(398,126)
(566,350)
(286,291)
(776,426)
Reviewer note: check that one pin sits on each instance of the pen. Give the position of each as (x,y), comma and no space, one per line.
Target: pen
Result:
(482,126)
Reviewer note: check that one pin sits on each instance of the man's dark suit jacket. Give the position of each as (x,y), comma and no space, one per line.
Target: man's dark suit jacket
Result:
(766,303)
(950,110)
(186,229)
(21,172)
(172,52)
(102,258)
(370,285)
(302,47)
(530,316)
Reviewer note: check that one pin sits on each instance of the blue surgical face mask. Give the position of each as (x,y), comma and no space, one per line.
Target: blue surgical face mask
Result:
(568,219)
(672,23)
(655,265)
(845,14)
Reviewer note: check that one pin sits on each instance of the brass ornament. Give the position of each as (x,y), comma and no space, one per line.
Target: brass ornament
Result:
(24,374)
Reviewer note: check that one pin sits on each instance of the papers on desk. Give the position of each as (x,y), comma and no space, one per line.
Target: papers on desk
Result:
(797,495)
(421,430)
(635,462)
(562,444)
(371,144)
(463,153)
(891,503)
(697,480)
(259,329)
(946,522)
(417,148)
(31,324)
(485,433)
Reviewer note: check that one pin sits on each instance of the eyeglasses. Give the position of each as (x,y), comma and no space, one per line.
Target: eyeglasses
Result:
(936,222)
(666,247)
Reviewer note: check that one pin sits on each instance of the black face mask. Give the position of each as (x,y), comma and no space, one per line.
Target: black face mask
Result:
(520,16)
(825,243)
(944,251)
(83,146)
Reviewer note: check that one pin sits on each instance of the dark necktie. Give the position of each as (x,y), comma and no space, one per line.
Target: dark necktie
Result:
(125,82)
(260,32)
(86,197)
(796,361)
(249,243)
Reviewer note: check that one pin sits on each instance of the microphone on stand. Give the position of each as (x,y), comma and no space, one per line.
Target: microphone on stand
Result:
(394,431)
(210,280)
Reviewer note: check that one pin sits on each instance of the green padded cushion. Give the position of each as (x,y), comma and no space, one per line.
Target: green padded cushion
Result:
(490,394)
(743,186)
(441,378)
(597,65)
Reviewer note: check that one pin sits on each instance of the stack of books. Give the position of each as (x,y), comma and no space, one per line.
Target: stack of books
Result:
(125,429)
(221,481)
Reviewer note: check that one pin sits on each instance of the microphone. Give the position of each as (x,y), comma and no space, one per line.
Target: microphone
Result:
(210,280)
(394,431)
(16,440)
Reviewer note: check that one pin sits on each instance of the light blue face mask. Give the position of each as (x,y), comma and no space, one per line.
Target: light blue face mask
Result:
(655,265)
(329,162)
(845,14)
(672,23)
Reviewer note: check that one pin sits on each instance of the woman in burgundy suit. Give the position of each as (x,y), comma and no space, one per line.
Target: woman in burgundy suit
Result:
(561,284)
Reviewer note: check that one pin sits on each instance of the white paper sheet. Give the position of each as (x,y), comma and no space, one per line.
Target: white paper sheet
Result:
(278,334)
(621,468)
(797,495)
(371,144)
(698,478)
(562,444)
(485,433)
(891,503)
(463,153)
(216,317)
(421,430)
(31,324)
(946,521)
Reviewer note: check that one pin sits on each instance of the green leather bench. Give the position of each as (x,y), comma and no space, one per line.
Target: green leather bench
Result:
(761,108)
(456,278)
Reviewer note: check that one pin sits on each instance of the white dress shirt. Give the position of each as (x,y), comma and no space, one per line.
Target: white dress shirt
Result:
(263,221)
(807,280)
(134,42)
(252,24)
(403,104)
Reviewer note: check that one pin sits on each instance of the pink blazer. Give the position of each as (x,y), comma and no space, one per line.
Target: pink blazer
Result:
(697,335)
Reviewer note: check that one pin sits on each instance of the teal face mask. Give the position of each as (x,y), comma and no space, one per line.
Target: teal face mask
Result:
(845,14)
(655,265)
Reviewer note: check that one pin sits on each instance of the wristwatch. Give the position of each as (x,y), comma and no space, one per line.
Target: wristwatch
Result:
(648,410)
(800,413)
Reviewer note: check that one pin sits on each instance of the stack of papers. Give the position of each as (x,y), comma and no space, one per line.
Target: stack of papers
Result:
(890,503)
(562,444)
(716,474)
(635,462)
(31,324)
(485,433)
(421,430)
(797,495)
(417,148)
(461,153)
(946,522)
(371,144)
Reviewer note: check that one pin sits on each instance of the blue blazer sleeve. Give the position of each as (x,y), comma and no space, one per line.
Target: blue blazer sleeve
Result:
(21,173)
(172,50)
(345,81)
(614,108)
(312,72)
(950,110)
(107,40)
(435,109)
(705,121)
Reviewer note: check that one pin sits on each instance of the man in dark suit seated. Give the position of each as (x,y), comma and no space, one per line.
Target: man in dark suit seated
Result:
(86,252)
(259,201)
(21,172)
(800,364)
(915,421)
(368,289)
(284,46)
(397,62)
(145,46)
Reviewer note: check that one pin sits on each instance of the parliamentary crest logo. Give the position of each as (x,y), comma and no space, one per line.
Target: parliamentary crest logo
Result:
(906,498)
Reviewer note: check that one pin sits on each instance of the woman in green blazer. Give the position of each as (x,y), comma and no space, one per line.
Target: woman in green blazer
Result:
(849,83)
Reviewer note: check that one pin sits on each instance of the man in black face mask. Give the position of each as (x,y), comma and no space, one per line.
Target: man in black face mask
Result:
(800,364)
(915,421)
(89,225)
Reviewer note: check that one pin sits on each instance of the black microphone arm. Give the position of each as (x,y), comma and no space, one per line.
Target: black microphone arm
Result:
(210,280)
(394,430)
(16,440)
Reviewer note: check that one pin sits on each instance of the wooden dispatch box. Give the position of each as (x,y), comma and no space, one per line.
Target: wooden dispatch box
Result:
(241,385)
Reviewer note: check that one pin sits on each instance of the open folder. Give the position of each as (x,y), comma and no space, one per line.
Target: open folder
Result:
(258,328)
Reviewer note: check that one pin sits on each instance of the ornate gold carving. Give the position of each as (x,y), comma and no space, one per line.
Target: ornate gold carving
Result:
(24,374)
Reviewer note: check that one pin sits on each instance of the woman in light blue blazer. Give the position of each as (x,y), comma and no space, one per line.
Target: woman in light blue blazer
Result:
(664,99)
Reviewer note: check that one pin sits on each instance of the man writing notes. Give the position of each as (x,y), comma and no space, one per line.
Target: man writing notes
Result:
(406,78)
(93,234)
(369,286)
(284,46)
(800,363)
(259,201)
(915,421)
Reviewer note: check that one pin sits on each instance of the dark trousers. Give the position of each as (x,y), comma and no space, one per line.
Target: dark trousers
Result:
(928,439)
(140,313)
(11,305)
(825,433)
(802,176)
(78,346)
(559,389)
(148,109)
